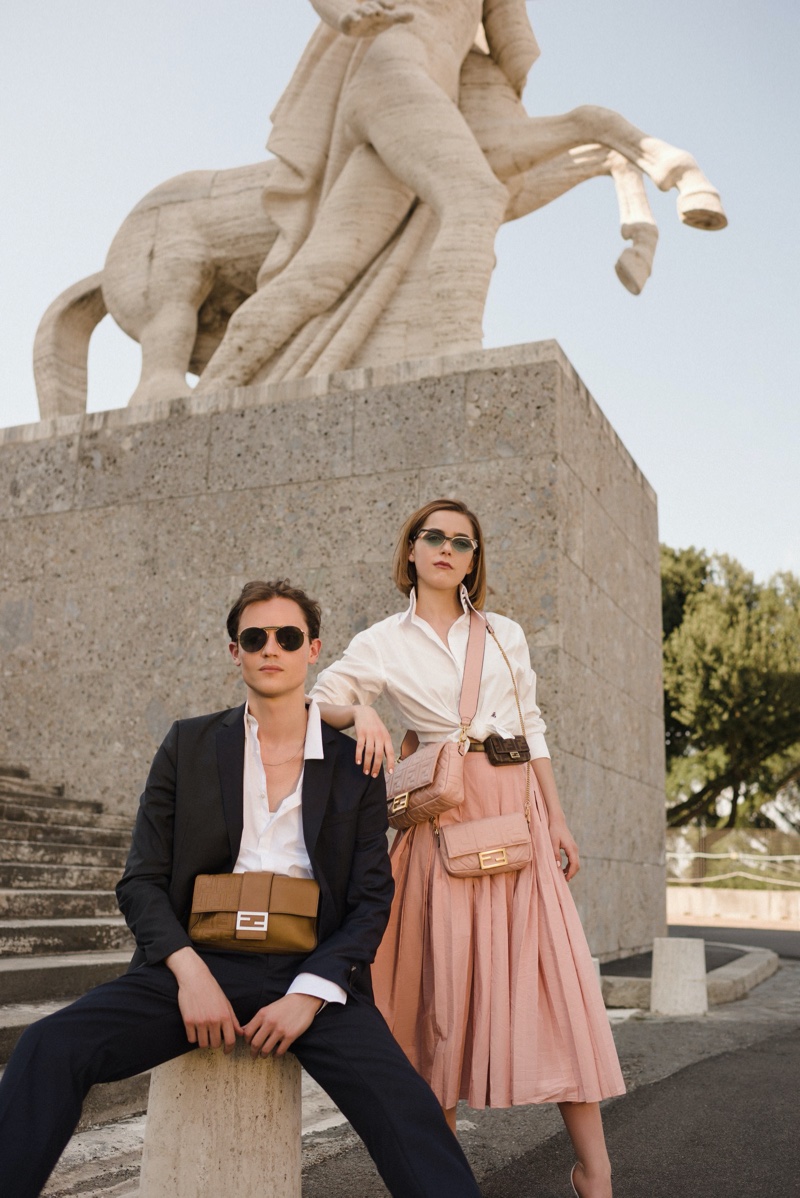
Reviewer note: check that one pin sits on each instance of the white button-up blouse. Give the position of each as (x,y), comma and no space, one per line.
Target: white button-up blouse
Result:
(403,658)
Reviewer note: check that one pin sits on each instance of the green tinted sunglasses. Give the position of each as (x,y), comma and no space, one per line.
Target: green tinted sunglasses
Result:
(436,538)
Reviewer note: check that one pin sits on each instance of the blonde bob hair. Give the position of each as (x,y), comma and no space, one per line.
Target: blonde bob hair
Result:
(404,572)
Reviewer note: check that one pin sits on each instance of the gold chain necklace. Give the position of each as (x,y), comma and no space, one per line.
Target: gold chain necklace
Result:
(274,764)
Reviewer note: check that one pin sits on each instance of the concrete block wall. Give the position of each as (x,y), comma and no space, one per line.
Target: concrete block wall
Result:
(126,535)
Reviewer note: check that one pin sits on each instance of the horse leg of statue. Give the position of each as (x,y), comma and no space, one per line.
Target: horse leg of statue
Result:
(542,184)
(167,340)
(539,138)
(637,222)
(158,272)
(699,203)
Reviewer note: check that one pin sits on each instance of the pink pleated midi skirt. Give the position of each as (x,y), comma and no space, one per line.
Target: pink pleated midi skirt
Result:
(487,983)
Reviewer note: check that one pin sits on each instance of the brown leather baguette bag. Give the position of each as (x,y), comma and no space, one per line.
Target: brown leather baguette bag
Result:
(255,912)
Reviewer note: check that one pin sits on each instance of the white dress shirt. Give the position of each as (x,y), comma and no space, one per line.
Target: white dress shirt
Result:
(273,840)
(404,658)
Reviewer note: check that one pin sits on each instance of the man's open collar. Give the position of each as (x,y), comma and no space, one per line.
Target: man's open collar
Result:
(313,749)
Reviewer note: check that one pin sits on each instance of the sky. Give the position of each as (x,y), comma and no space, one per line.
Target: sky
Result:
(100,100)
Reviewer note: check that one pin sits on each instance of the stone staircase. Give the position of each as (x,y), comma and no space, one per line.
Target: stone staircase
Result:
(60,929)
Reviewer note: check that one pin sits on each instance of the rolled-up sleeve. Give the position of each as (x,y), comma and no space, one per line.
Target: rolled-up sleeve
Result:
(357,677)
(525,677)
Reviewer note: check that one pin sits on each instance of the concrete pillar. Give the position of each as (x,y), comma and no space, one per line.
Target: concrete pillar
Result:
(223,1125)
(679,976)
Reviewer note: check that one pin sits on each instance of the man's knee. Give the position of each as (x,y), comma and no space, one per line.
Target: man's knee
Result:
(44,1040)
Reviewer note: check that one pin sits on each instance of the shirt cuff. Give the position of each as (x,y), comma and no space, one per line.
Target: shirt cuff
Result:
(538,745)
(309,983)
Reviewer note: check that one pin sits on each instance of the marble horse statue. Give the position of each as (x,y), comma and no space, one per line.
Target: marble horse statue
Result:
(400,146)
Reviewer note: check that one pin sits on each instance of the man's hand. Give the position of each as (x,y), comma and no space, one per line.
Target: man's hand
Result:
(276,1027)
(207,1015)
(373,16)
(373,741)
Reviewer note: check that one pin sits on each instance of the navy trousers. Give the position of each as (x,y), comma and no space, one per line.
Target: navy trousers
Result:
(133,1023)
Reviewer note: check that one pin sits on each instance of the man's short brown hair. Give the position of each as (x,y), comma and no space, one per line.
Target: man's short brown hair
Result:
(281,588)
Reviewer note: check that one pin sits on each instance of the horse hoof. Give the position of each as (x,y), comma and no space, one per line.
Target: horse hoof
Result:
(702,209)
(632,271)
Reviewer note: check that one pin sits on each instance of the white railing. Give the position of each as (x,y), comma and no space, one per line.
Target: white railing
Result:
(697,857)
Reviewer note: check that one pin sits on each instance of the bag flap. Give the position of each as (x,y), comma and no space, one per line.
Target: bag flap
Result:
(294,896)
(479,835)
(255,892)
(417,770)
(216,892)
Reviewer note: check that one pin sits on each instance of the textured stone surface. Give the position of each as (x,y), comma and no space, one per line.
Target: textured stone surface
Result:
(223,1125)
(679,976)
(114,588)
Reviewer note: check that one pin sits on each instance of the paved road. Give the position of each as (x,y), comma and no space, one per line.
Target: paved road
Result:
(785,943)
(723,1127)
(711,1112)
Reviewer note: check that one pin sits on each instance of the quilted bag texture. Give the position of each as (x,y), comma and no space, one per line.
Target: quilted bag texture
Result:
(425,784)
(498,844)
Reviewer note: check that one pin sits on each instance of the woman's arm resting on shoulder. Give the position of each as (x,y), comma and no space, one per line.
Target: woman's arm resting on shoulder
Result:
(560,835)
(373,741)
(345,691)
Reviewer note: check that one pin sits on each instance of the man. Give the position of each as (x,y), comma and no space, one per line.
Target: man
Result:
(265,786)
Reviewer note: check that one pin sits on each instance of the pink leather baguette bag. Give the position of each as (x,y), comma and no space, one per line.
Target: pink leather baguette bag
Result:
(431,780)
(498,844)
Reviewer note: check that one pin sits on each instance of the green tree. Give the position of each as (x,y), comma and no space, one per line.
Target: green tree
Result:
(731,687)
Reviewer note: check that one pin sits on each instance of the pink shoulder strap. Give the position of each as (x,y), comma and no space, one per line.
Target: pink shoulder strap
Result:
(470,683)
(473,669)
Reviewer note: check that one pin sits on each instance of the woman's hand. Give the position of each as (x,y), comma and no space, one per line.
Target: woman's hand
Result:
(373,741)
(373,16)
(562,838)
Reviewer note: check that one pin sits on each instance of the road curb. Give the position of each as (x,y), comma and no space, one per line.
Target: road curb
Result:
(725,984)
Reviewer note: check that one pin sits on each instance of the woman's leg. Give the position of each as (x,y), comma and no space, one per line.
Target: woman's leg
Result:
(592,1177)
(450,1117)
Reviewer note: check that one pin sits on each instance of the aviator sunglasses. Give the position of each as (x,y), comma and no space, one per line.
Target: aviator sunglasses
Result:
(288,637)
(436,538)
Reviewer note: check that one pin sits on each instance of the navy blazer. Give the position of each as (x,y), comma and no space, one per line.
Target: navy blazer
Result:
(190,822)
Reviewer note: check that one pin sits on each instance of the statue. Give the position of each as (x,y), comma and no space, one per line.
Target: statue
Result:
(369,237)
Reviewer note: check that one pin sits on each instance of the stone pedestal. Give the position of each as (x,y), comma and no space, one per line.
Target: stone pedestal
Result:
(679,977)
(127,534)
(223,1125)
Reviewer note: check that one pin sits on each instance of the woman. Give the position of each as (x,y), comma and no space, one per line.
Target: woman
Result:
(487,983)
